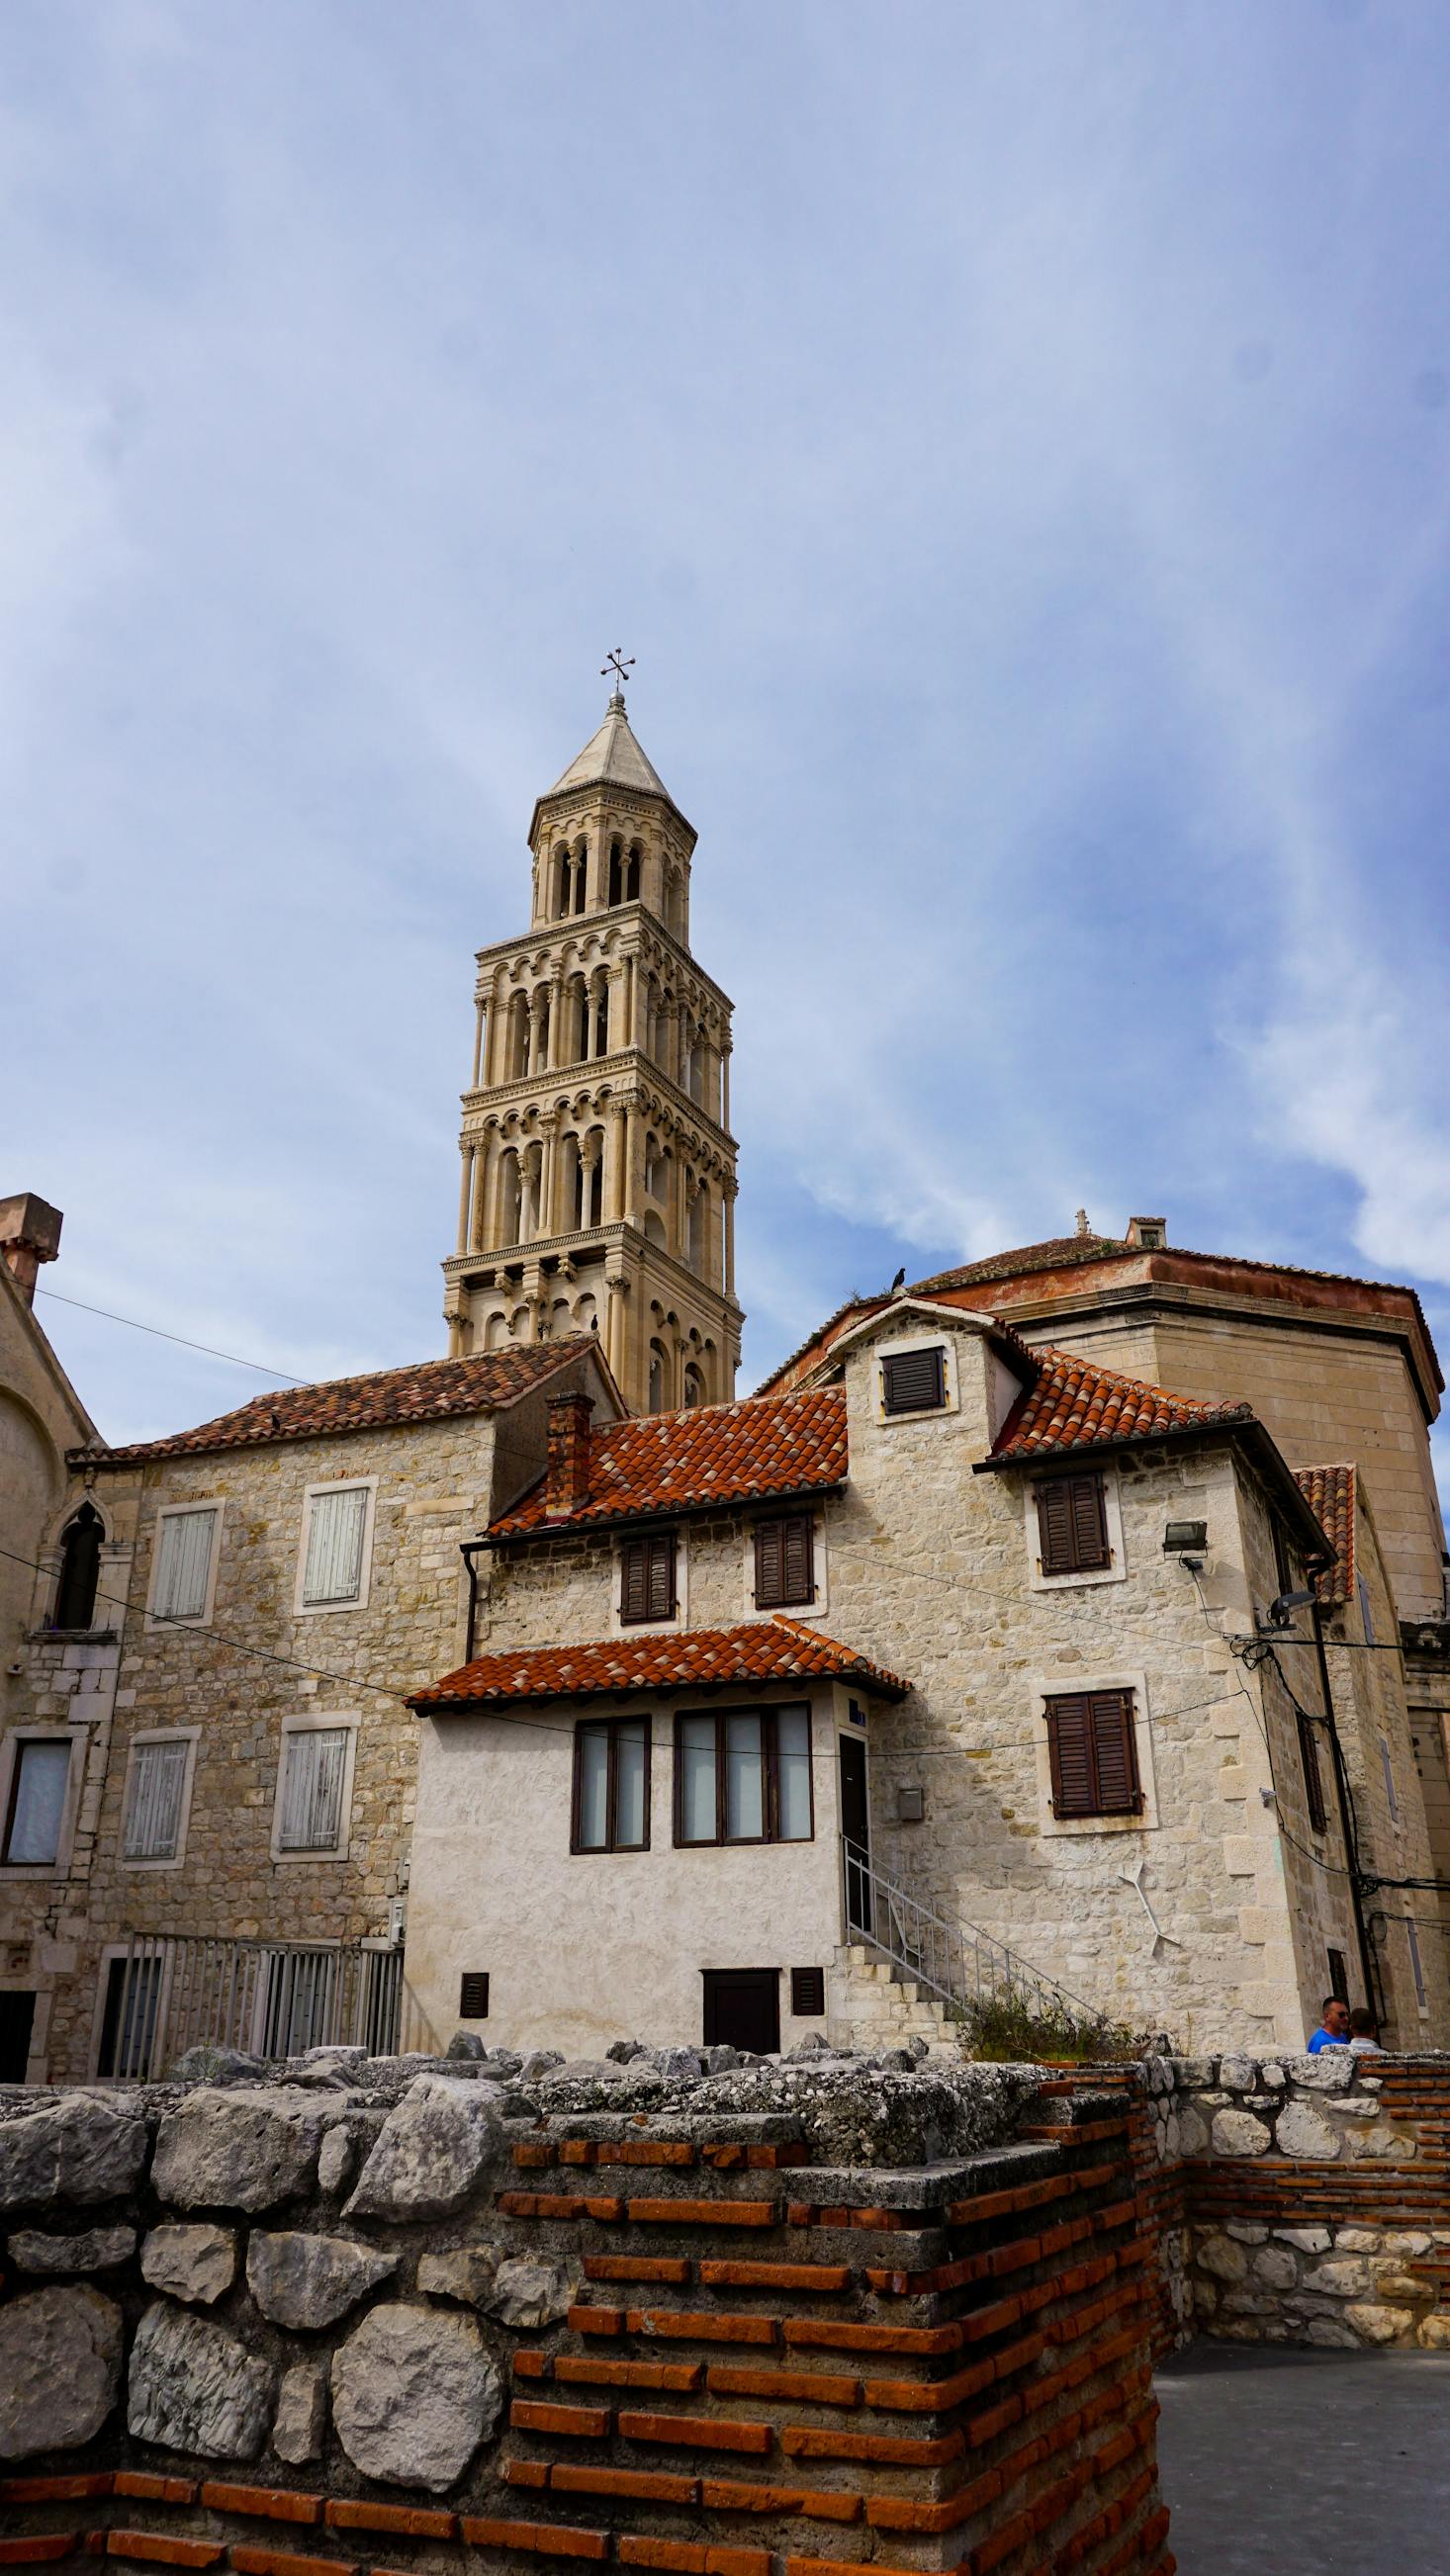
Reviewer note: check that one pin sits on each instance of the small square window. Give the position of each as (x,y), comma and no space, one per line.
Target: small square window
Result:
(913,1381)
(473,1995)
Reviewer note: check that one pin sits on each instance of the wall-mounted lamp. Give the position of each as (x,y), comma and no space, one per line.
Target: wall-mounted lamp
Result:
(1188,1541)
(1281,1610)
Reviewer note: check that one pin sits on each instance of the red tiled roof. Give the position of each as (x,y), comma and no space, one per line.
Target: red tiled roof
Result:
(1061,1253)
(429,1391)
(1074,1404)
(715,1453)
(1329,1493)
(764,1650)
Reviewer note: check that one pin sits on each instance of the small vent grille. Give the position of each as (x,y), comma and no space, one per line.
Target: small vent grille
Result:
(473,1995)
(913,1381)
(807,1993)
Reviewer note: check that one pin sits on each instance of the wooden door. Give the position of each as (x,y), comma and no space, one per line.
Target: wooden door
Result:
(742,2008)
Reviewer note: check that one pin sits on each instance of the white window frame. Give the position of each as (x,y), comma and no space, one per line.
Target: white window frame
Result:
(173,1511)
(951,1402)
(1116,1572)
(77,1739)
(188,1735)
(1046,1686)
(680,1618)
(304,1609)
(322,1721)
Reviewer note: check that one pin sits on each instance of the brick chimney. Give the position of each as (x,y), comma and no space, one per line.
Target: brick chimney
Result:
(29,1234)
(566,1482)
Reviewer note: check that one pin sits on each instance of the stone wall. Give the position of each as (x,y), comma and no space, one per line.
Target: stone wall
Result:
(1303,2200)
(778,2321)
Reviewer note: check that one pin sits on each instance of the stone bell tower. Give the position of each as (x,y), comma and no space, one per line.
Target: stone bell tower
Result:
(598,1188)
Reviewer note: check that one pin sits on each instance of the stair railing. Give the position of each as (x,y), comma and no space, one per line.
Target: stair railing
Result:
(963,1967)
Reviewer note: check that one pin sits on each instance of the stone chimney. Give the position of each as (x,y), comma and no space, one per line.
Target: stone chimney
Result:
(566,1482)
(1148,1233)
(29,1234)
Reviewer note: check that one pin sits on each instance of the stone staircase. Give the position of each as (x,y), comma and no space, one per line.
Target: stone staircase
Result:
(873,2004)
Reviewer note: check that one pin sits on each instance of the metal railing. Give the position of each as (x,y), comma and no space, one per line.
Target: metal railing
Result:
(961,1966)
(165,1993)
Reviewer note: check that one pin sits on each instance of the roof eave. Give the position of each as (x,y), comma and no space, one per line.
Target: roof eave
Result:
(862,1677)
(1267,1455)
(657,1513)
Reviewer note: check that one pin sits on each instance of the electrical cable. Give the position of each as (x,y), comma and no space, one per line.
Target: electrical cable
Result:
(283,1377)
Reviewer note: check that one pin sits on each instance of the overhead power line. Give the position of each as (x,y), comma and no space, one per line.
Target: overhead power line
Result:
(160,1334)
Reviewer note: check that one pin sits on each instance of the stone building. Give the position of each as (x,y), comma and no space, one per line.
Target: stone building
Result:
(46,1533)
(958,1642)
(228,1852)
(598,1181)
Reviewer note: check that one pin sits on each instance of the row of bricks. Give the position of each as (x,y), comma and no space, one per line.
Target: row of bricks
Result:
(970,2268)
(947,2513)
(728,2158)
(1026,2528)
(613,2209)
(720,2433)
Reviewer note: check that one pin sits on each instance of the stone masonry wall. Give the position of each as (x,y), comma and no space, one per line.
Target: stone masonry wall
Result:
(780,2322)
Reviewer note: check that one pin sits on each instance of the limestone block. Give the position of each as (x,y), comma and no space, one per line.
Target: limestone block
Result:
(1407,2245)
(1238,2133)
(335,2159)
(192,2263)
(99,2249)
(1192,2132)
(1246,2231)
(78,2150)
(1331,2334)
(1249,2303)
(413,2395)
(1381,2144)
(1227,2261)
(442,2143)
(1342,2277)
(1310,2240)
(530,2292)
(466,2272)
(1391,2283)
(310,2281)
(1303,2131)
(1238,2074)
(238,2149)
(1375,2324)
(60,2368)
(1332,2071)
(301,2413)
(1275,2266)
(193,2388)
(1434,2333)
(1273,2079)
(1170,2140)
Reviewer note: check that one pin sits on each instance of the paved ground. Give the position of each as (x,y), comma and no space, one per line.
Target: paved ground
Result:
(1306,2463)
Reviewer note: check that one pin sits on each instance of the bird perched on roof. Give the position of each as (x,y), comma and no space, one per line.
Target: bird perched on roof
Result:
(900,1279)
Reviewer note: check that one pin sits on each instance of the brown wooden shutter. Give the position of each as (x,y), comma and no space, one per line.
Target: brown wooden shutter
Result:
(807,1993)
(769,1563)
(473,1995)
(1072,1524)
(1093,1755)
(634,1579)
(1313,1784)
(911,1381)
(661,1578)
(1115,1753)
(1069,1741)
(799,1554)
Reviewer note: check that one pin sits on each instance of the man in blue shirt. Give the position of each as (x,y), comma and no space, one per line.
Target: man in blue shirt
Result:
(1333,2031)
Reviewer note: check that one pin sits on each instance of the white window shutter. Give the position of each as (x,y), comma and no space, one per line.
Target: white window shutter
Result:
(314,1761)
(153,1819)
(183,1564)
(335,1545)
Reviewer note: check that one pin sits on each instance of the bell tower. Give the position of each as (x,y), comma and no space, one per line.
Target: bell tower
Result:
(598,1183)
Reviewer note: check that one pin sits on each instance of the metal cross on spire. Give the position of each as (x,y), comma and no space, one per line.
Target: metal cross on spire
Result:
(619,667)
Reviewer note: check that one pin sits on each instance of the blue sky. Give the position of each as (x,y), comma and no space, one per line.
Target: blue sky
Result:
(1013,440)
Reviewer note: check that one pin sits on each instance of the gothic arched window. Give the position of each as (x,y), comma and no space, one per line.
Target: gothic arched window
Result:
(80,1570)
(694,1385)
(656,1378)
(631,874)
(616,872)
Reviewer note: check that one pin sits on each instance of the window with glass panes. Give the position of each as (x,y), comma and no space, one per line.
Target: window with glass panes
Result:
(611,1785)
(35,1809)
(743,1775)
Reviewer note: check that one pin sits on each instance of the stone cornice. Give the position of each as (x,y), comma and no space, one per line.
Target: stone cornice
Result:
(541,1090)
(546,934)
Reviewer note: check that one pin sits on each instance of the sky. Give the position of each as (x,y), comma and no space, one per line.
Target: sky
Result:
(1011,436)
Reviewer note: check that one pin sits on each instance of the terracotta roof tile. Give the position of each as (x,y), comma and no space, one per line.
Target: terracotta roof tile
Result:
(763,1650)
(1074,1404)
(715,1453)
(429,1391)
(1329,1493)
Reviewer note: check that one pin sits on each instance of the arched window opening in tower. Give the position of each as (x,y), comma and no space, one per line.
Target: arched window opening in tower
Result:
(561,882)
(509,1198)
(581,873)
(699,1217)
(616,872)
(658,1367)
(694,1385)
(601,1016)
(631,873)
(80,1568)
(593,1170)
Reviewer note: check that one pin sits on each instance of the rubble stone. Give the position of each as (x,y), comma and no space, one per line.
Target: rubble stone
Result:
(99,2249)
(467,2273)
(79,2150)
(310,2281)
(413,2395)
(193,2387)
(60,2368)
(301,2418)
(1303,2131)
(246,2149)
(195,2263)
(531,2292)
(441,2144)
(1238,2133)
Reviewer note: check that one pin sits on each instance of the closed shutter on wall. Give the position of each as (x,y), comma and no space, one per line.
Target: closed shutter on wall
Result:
(1072,1525)
(335,1529)
(1313,1784)
(153,1816)
(183,1562)
(1093,1754)
(647,1577)
(912,1381)
(314,1761)
(784,1568)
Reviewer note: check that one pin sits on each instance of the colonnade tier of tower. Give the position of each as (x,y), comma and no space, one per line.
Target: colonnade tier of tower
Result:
(597,1191)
